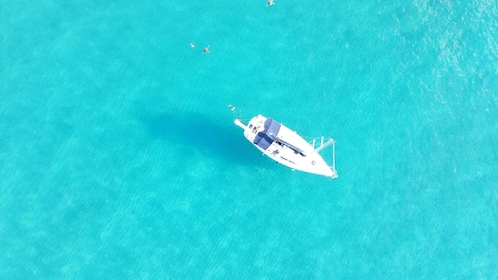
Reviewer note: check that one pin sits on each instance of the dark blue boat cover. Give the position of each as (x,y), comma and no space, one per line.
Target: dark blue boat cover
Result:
(266,137)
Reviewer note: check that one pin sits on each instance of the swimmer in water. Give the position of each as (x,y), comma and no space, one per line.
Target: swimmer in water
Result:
(270,3)
(206,50)
(231,107)
(192,46)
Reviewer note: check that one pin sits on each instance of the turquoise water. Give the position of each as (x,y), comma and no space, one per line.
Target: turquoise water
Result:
(119,158)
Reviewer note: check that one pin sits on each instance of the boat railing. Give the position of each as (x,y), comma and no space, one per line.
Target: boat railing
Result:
(323,145)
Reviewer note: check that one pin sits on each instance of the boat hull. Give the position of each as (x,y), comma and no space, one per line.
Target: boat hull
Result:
(285,146)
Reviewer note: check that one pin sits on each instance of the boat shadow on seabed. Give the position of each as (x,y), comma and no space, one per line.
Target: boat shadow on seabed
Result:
(219,139)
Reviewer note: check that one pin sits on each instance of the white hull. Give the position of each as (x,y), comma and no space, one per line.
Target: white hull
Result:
(286,146)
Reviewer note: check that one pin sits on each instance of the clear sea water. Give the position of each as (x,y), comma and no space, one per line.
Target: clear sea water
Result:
(119,158)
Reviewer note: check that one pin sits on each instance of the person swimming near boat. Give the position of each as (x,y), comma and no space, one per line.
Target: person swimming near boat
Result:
(270,3)
(231,107)
(192,46)
(206,50)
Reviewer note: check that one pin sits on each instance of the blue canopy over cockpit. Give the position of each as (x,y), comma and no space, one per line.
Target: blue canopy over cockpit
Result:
(266,137)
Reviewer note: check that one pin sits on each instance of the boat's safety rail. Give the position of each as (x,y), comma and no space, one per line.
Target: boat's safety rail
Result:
(333,161)
(322,146)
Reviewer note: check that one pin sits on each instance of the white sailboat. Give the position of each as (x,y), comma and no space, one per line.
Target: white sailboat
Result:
(288,148)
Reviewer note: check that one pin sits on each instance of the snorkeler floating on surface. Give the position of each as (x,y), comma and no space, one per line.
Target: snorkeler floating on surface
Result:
(206,50)
(192,46)
(270,3)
